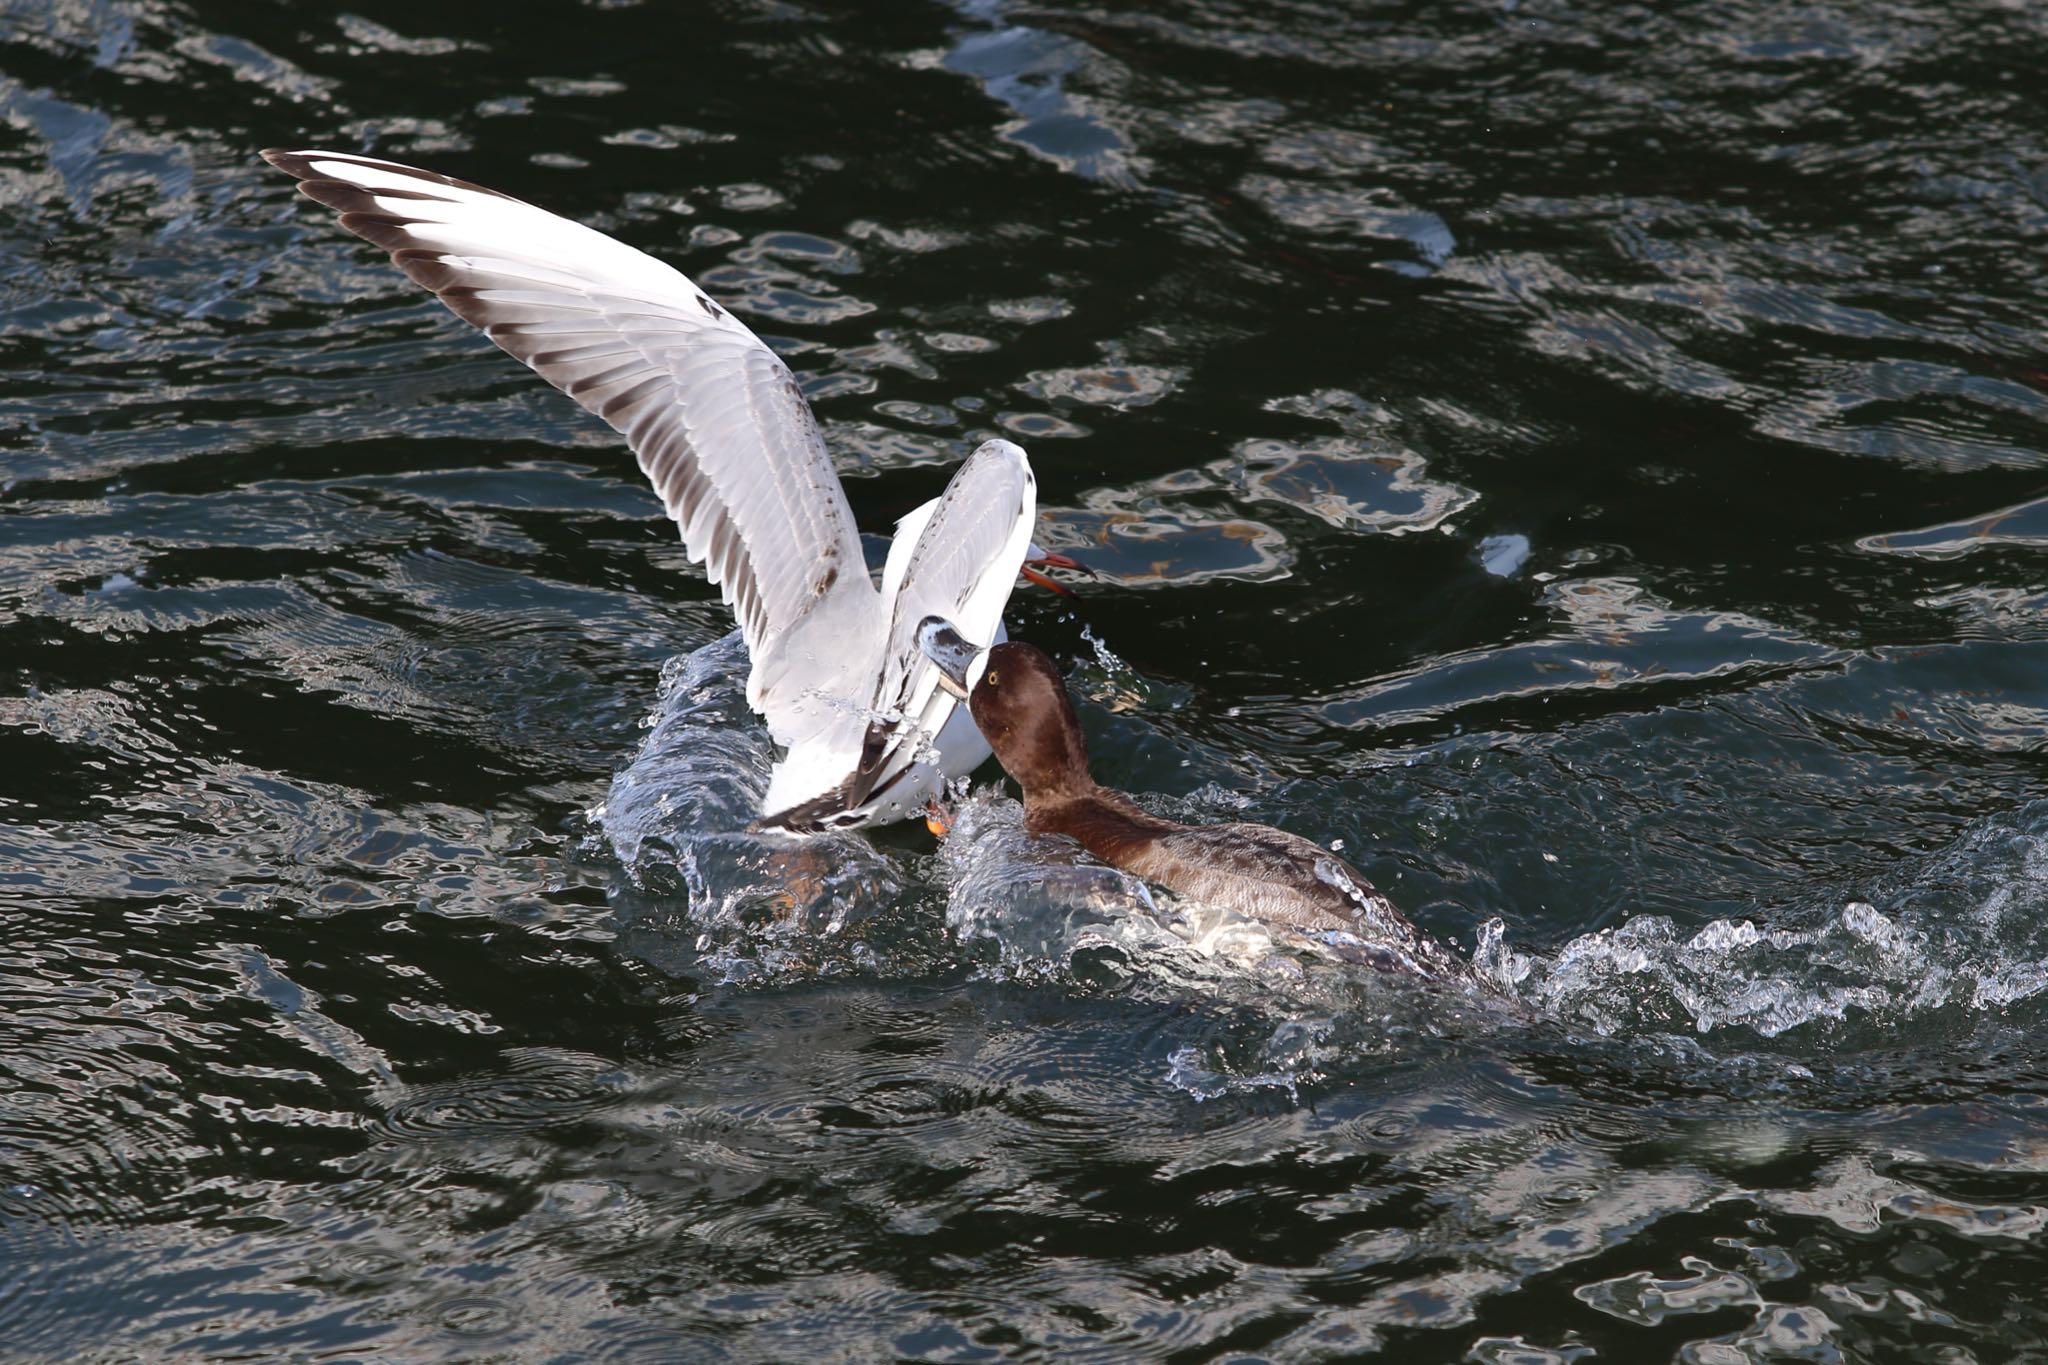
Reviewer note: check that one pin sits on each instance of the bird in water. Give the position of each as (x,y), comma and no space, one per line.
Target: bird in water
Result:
(722,431)
(1018,699)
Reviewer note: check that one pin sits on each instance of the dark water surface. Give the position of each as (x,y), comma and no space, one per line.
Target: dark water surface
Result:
(1585,458)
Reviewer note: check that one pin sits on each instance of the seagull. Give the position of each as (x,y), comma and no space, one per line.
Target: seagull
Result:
(722,431)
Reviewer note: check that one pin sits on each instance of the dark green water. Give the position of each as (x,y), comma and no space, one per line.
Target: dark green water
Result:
(1587,459)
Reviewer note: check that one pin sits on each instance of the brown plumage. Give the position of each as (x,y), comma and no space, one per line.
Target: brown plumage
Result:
(1021,705)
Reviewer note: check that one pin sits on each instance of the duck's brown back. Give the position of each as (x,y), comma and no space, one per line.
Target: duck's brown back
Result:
(1280,877)
(1255,870)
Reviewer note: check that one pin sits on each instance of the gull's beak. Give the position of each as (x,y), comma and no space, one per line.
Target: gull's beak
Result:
(1037,557)
(953,652)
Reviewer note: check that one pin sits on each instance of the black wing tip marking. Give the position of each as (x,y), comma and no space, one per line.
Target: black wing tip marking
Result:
(820,813)
(844,806)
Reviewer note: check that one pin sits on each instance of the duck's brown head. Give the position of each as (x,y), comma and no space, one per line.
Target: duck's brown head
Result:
(1020,705)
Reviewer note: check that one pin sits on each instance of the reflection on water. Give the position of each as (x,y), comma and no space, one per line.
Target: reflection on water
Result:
(1580,464)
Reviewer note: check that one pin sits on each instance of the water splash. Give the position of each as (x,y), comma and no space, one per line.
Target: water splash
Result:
(763,905)
(698,769)
(1964,934)
(1961,936)
(1031,899)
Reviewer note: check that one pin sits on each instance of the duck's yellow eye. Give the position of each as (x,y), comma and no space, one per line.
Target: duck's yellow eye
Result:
(988,679)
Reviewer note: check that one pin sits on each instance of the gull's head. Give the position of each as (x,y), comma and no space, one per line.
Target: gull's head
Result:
(960,661)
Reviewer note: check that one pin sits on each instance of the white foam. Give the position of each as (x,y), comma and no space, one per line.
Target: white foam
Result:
(1965,931)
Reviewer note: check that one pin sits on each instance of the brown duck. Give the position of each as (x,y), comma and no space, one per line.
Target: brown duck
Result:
(1020,703)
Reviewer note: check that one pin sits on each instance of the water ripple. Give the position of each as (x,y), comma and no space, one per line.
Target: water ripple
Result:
(1583,460)
(537,1089)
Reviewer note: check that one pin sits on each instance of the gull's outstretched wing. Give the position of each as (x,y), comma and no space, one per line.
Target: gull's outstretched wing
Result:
(716,419)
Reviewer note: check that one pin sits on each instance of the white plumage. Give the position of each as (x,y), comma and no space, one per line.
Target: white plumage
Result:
(723,433)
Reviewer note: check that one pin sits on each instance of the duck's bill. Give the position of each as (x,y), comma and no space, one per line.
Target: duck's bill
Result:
(953,652)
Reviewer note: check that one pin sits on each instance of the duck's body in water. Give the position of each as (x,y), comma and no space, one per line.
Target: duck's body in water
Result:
(1020,703)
